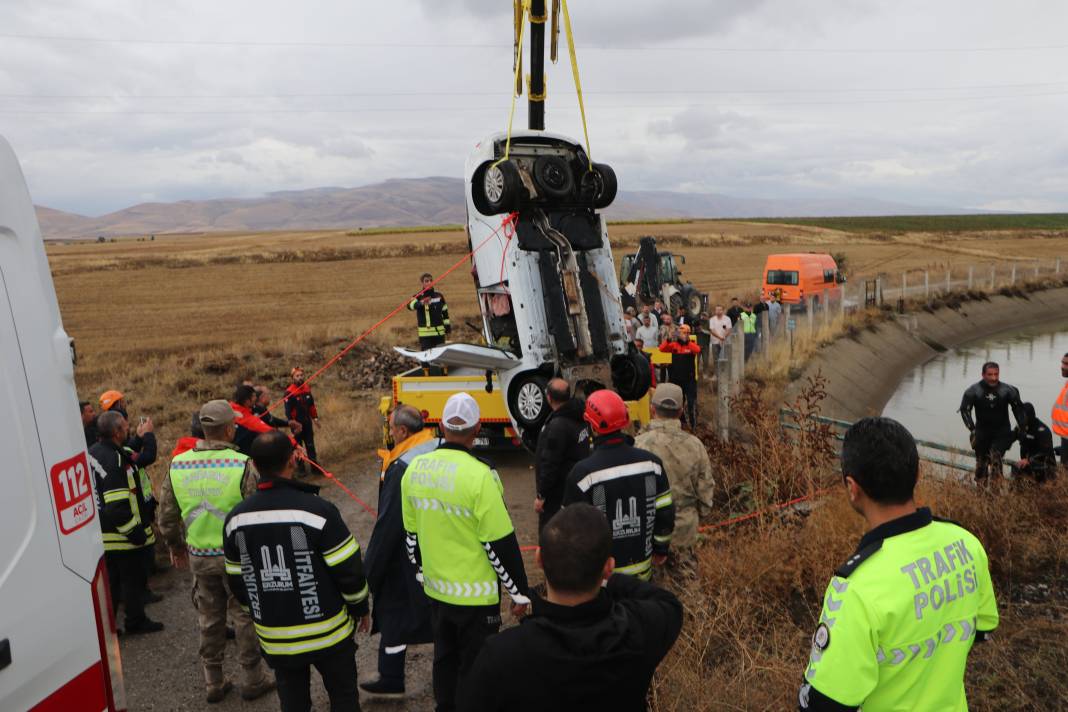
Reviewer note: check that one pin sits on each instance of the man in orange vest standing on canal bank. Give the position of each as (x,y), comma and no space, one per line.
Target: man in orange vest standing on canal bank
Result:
(1060,413)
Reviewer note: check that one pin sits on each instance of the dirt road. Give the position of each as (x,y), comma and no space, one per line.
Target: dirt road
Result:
(163,670)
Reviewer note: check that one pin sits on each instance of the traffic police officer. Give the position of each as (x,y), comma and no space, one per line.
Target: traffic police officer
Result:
(431,315)
(901,615)
(203,485)
(461,539)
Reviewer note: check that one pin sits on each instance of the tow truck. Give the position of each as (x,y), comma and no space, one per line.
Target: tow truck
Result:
(547,289)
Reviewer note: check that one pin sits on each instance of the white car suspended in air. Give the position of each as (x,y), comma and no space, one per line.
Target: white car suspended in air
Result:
(548,290)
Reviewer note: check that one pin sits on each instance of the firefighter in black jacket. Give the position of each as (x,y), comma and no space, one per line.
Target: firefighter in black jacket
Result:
(628,485)
(124,521)
(293,564)
(1037,455)
(401,610)
(584,646)
(563,441)
(431,315)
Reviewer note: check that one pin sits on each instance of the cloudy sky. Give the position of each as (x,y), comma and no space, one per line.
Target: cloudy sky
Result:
(953,103)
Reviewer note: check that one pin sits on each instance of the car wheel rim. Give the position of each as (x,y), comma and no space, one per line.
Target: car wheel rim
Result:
(531,401)
(493,184)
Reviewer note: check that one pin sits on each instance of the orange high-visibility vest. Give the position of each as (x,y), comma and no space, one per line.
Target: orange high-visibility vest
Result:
(1060,413)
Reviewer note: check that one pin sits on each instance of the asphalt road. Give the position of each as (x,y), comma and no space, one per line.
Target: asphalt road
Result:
(162,671)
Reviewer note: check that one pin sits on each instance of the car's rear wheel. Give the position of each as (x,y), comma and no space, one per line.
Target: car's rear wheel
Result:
(496,187)
(599,185)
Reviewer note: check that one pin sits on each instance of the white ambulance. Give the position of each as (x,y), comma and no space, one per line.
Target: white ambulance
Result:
(58,647)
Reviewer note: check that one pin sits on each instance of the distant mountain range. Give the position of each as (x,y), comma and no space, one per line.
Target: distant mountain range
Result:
(422,201)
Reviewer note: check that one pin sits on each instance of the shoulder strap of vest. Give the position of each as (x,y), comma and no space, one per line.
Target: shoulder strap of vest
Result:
(858,558)
(945,521)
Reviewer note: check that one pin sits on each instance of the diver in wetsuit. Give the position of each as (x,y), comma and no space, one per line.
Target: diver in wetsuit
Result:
(991,433)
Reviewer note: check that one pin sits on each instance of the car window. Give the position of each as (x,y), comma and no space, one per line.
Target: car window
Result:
(782,277)
(828,275)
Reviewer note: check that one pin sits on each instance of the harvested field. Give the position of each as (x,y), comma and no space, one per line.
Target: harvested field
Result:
(178,320)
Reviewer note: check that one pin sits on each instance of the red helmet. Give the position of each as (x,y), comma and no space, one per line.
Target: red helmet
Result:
(606,412)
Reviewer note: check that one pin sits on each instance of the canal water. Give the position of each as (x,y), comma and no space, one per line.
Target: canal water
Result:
(927,400)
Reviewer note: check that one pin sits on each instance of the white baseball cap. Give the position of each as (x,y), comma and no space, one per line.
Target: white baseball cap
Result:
(461,412)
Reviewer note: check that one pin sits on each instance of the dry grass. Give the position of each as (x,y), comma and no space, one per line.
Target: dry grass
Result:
(180,320)
(753,603)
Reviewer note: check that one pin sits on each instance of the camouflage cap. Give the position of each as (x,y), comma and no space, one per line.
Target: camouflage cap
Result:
(215,413)
(668,396)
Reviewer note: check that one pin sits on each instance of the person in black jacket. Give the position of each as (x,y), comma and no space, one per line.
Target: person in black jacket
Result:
(88,422)
(126,529)
(563,441)
(431,314)
(401,610)
(293,564)
(991,432)
(628,485)
(1037,456)
(584,646)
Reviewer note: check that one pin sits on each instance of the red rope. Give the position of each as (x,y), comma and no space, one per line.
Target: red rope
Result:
(330,476)
(509,220)
(752,515)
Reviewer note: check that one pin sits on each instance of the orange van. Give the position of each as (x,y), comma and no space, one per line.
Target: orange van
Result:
(800,275)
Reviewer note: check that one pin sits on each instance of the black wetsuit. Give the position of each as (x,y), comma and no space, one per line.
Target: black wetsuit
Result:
(991,430)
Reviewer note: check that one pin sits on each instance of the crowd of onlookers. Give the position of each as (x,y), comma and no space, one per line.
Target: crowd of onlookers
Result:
(696,343)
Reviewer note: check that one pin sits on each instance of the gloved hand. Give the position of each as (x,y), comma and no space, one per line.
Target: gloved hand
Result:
(137,535)
(971,439)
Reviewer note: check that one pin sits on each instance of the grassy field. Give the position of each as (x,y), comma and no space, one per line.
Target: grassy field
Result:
(232,288)
(181,319)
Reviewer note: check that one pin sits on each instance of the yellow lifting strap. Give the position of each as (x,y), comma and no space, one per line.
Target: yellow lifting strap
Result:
(517,60)
(522,10)
(578,83)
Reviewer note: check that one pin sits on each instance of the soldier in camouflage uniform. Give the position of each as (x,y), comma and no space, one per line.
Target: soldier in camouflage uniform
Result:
(685,461)
(203,485)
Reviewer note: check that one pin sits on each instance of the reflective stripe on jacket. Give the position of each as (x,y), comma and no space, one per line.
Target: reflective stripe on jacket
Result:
(293,564)
(432,319)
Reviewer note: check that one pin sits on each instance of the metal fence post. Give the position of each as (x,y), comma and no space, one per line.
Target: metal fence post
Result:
(842,301)
(949,281)
(737,360)
(810,318)
(971,276)
(1012,279)
(926,285)
(1057,266)
(765,331)
(993,277)
(904,285)
(1036,269)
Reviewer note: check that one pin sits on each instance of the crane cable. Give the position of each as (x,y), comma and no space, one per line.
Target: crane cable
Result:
(578,82)
(522,11)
